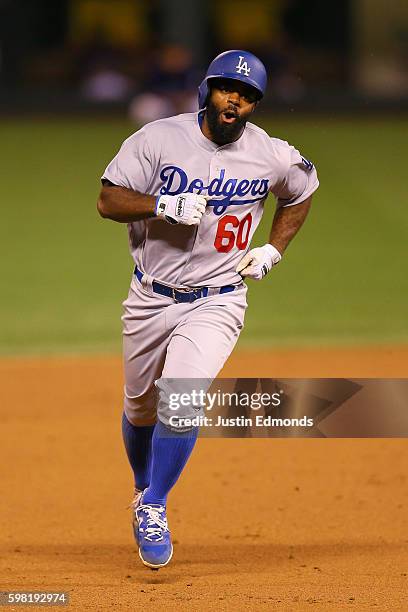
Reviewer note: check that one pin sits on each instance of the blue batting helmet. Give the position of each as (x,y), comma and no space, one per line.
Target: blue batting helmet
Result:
(239,65)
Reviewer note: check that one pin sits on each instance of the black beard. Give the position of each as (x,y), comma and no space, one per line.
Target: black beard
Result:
(223,133)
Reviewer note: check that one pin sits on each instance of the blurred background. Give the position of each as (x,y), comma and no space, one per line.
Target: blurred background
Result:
(78,54)
(78,76)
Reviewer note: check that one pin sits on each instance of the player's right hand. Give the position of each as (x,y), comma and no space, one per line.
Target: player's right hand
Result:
(185,208)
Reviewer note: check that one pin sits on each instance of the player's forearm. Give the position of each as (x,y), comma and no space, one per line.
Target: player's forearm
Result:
(124,205)
(287,222)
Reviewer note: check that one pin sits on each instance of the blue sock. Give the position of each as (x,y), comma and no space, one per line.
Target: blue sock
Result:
(138,443)
(170,453)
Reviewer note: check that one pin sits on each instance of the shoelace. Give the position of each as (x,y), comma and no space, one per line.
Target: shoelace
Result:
(156,524)
(135,501)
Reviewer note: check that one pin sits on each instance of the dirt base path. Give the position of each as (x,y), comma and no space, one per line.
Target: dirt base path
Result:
(258,524)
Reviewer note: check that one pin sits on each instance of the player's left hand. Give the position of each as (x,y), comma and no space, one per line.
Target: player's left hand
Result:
(257,262)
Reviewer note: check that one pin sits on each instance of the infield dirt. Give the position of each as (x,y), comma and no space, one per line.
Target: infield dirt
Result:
(287,524)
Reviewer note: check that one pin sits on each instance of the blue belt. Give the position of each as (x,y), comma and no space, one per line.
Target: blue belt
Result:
(181,295)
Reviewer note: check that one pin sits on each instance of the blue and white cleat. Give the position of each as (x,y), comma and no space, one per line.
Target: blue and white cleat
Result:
(152,534)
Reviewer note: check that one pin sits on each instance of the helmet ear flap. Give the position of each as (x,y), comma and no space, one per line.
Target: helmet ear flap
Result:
(203,93)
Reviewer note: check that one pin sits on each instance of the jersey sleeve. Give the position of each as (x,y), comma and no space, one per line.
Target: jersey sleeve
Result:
(299,182)
(133,166)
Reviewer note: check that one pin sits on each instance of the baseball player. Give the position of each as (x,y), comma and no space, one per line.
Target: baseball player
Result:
(192,189)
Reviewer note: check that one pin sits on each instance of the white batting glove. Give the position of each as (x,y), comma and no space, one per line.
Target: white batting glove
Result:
(185,208)
(257,262)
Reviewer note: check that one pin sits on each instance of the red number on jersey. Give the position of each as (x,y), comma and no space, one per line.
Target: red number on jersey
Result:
(225,238)
(243,230)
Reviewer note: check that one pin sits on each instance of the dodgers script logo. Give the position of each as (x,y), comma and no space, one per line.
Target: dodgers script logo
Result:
(242,67)
(225,192)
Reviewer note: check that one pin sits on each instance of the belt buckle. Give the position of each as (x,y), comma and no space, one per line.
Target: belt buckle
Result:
(192,294)
(174,291)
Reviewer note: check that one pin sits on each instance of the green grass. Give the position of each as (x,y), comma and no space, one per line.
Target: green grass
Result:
(65,271)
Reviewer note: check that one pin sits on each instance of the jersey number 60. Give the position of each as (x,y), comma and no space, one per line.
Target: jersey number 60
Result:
(226,238)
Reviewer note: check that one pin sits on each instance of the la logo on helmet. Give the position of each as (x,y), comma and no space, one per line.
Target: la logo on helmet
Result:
(242,66)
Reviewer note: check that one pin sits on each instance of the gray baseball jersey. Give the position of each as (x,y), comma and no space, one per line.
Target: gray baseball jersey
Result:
(172,156)
(163,340)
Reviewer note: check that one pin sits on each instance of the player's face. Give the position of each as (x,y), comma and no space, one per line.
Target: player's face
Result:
(229,107)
